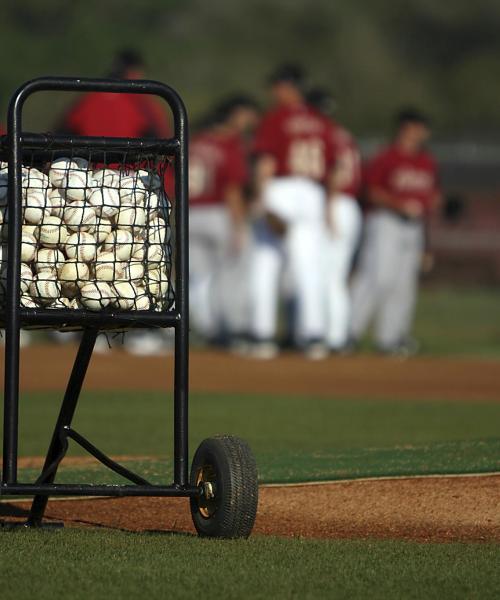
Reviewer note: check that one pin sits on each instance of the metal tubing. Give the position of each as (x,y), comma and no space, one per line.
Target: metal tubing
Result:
(104,459)
(12,322)
(64,419)
(100,320)
(67,489)
(48,142)
(181,372)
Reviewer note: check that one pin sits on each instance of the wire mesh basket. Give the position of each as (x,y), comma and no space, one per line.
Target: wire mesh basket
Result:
(96,232)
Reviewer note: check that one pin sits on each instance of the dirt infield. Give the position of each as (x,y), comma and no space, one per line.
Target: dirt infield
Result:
(422,509)
(425,509)
(48,367)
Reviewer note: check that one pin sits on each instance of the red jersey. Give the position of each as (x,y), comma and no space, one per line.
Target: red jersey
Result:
(405,176)
(347,151)
(117,115)
(215,162)
(299,139)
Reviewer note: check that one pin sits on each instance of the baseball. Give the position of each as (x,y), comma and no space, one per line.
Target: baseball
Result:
(142,301)
(48,259)
(106,178)
(106,201)
(58,201)
(158,232)
(58,172)
(72,272)
(45,287)
(26,278)
(152,204)
(131,218)
(78,216)
(102,229)
(28,302)
(96,295)
(52,232)
(106,268)
(125,295)
(81,245)
(157,283)
(132,190)
(133,271)
(121,243)
(36,207)
(76,185)
(28,247)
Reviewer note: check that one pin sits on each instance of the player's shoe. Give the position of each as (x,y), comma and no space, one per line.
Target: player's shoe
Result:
(263,350)
(315,351)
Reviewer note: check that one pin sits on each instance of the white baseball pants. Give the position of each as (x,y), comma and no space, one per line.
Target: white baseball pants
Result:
(300,203)
(341,243)
(386,284)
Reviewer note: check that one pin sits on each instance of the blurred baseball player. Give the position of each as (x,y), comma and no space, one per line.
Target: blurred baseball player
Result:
(122,115)
(344,220)
(218,231)
(403,191)
(118,115)
(294,151)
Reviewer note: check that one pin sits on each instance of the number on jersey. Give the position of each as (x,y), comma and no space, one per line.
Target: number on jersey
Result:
(307,158)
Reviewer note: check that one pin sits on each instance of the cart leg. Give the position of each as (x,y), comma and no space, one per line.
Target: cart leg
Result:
(58,444)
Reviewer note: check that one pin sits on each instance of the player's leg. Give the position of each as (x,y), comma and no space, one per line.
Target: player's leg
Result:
(304,248)
(340,248)
(201,273)
(378,269)
(265,268)
(396,316)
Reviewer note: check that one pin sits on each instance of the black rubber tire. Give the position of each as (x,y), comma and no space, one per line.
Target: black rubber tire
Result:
(231,467)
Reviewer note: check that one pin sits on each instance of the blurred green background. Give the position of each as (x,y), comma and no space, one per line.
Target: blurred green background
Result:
(375,54)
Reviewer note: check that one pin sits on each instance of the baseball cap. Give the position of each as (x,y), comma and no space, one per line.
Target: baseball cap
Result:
(289,73)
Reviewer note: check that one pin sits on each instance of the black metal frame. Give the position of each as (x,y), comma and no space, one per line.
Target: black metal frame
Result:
(16,317)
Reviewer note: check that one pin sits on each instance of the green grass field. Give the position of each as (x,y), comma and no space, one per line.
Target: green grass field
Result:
(296,438)
(332,439)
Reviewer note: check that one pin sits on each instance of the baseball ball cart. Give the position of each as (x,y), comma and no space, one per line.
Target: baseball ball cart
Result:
(222,483)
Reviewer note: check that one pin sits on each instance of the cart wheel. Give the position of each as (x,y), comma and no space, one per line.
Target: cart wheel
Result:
(225,471)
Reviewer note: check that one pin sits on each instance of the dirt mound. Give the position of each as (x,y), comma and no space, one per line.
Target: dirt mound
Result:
(418,508)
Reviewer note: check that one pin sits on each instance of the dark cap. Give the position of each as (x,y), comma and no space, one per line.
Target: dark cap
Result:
(410,114)
(125,59)
(321,99)
(288,73)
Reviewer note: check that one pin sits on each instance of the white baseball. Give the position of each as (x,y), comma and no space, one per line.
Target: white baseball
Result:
(45,287)
(72,273)
(142,301)
(133,271)
(48,259)
(78,216)
(132,190)
(26,278)
(76,184)
(152,204)
(81,245)
(58,200)
(106,268)
(158,232)
(131,218)
(58,172)
(121,243)
(31,230)
(28,246)
(52,232)
(96,295)
(36,207)
(106,178)
(106,201)
(102,229)
(28,302)
(157,283)
(125,294)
